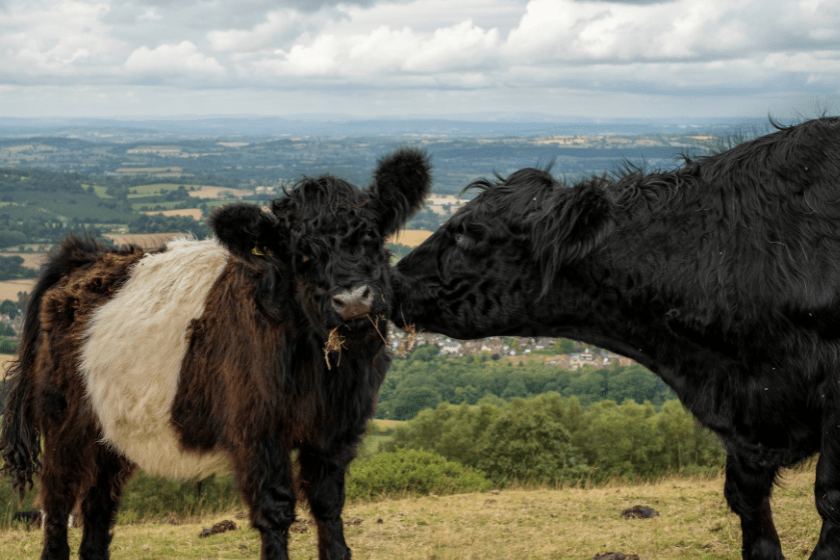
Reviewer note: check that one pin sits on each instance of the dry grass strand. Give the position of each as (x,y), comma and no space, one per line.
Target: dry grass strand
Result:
(333,344)
(408,342)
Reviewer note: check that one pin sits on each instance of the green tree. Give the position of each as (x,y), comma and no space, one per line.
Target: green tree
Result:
(634,382)
(449,431)
(525,442)
(622,441)
(9,308)
(564,346)
(425,353)
(410,401)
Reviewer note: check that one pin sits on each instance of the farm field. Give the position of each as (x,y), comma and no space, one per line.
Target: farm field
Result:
(9,289)
(562,524)
(4,362)
(194,213)
(30,260)
(410,237)
(216,192)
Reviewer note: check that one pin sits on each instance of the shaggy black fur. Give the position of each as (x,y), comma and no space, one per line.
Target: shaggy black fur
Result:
(723,277)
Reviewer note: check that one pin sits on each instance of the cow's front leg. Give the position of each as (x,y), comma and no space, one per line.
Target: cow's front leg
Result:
(747,490)
(263,473)
(827,488)
(322,480)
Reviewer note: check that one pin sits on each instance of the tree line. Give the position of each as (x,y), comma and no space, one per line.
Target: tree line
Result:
(551,438)
(425,379)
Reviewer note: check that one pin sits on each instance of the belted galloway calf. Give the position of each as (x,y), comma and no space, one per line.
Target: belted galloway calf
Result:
(722,277)
(210,355)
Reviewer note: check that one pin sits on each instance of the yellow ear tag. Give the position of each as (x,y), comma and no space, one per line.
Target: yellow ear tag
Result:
(256,251)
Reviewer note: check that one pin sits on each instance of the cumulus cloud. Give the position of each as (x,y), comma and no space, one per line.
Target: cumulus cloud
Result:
(279,26)
(629,46)
(55,39)
(385,50)
(584,31)
(165,59)
(554,30)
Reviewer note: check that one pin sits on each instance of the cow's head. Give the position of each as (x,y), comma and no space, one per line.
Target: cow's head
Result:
(322,245)
(492,267)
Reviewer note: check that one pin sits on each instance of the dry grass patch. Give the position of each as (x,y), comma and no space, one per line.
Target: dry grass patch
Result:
(160,171)
(410,237)
(30,260)
(5,360)
(10,288)
(219,192)
(385,424)
(194,213)
(570,523)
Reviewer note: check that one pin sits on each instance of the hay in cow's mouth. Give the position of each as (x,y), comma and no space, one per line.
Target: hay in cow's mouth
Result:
(408,341)
(376,326)
(333,344)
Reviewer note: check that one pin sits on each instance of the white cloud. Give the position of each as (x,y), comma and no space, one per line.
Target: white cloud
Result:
(165,59)
(553,30)
(450,48)
(632,47)
(279,26)
(150,15)
(385,51)
(57,39)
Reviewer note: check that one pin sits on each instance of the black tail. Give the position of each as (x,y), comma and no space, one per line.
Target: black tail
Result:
(20,445)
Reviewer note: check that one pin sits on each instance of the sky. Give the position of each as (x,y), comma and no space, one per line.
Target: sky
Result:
(640,59)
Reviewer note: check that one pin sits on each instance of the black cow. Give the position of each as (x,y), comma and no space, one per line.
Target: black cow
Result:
(723,277)
(211,355)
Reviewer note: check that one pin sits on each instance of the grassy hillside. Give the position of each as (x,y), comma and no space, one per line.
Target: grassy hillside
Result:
(566,524)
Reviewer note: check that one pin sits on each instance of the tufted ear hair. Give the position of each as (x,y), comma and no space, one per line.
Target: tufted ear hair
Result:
(250,234)
(401,182)
(573,222)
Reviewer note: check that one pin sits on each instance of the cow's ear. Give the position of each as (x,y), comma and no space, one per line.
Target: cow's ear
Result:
(573,222)
(248,233)
(401,182)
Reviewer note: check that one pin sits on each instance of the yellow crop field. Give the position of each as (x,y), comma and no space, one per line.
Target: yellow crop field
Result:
(9,289)
(217,192)
(194,213)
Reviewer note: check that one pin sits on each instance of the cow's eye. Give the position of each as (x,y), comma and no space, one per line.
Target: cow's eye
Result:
(464,241)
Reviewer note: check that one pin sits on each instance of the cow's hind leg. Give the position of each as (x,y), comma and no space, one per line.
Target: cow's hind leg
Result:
(322,479)
(747,491)
(67,468)
(100,503)
(263,474)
